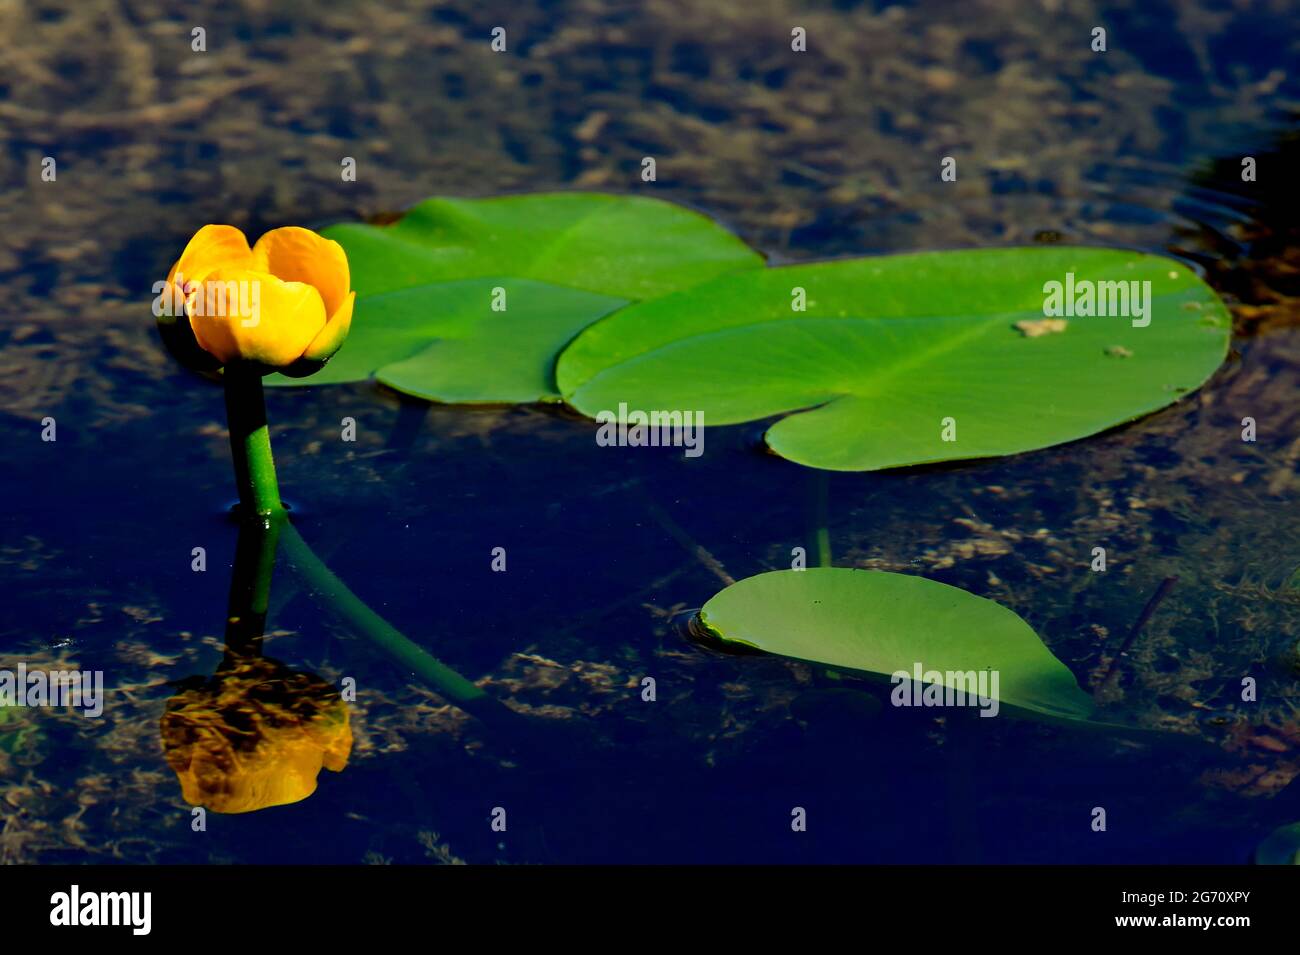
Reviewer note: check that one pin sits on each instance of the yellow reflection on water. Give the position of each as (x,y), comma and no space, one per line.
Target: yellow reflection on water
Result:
(254,735)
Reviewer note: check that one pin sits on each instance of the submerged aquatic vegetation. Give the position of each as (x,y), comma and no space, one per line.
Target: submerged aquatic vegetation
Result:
(18,731)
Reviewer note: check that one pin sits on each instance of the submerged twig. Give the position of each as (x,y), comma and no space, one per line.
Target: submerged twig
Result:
(687,542)
(818,530)
(1161,593)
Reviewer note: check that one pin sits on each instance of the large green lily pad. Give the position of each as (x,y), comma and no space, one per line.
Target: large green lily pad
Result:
(882,623)
(425,321)
(445,342)
(895,355)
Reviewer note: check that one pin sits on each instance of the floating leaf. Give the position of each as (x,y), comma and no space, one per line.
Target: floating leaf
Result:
(1282,847)
(889,348)
(623,246)
(882,623)
(429,320)
(445,343)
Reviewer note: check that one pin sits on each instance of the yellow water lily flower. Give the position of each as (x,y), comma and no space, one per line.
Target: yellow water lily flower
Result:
(257,734)
(283,305)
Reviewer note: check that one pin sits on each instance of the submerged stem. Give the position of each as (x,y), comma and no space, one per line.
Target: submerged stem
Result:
(821,537)
(1109,678)
(351,608)
(688,543)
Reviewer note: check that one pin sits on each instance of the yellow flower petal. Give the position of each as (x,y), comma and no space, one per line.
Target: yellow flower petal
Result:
(300,255)
(325,344)
(254,316)
(212,247)
(331,337)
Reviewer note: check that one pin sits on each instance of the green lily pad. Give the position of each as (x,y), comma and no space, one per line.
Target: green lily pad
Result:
(624,246)
(882,623)
(1282,847)
(906,359)
(18,730)
(425,321)
(446,343)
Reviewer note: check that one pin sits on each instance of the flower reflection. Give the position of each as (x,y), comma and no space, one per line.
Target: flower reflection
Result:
(255,734)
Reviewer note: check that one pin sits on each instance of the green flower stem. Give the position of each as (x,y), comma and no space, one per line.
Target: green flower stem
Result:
(350,607)
(250,443)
